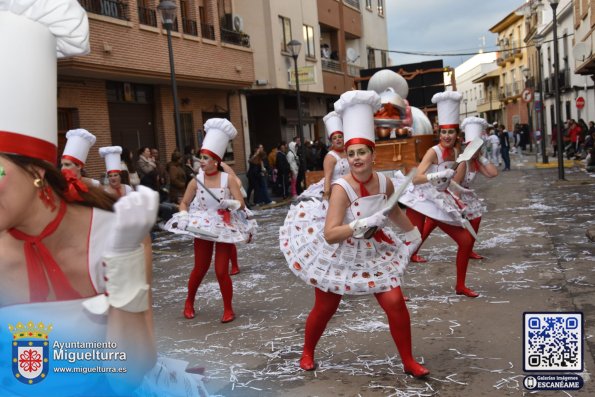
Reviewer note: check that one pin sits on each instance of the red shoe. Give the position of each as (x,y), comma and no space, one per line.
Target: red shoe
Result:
(418,259)
(474,255)
(234,271)
(189,310)
(416,370)
(307,363)
(228,316)
(467,292)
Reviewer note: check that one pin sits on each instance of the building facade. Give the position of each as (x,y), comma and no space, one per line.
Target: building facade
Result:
(122,92)
(474,92)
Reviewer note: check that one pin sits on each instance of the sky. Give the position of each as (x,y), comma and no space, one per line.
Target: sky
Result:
(443,26)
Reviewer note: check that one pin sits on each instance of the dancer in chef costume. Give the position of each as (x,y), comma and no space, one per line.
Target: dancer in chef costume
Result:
(74,157)
(214,205)
(76,267)
(473,207)
(333,255)
(429,197)
(113,168)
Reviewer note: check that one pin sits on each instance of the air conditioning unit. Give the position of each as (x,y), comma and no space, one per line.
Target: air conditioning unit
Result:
(237,23)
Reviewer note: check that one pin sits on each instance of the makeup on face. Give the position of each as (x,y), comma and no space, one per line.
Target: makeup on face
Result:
(360,152)
(204,157)
(2,172)
(449,131)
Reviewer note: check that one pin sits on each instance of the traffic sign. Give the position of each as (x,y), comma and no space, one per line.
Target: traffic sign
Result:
(527,95)
(580,102)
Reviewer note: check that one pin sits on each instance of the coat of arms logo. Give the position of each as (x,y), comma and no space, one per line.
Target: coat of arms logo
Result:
(30,351)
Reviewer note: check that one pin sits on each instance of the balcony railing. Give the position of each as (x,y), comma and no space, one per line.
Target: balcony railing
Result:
(147,16)
(353,70)
(109,8)
(237,38)
(353,3)
(331,65)
(207,31)
(189,27)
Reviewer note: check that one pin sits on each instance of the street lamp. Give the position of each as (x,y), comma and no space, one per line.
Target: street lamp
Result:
(167,10)
(538,42)
(490,117)
(294,47)
(526,71)
(554,5)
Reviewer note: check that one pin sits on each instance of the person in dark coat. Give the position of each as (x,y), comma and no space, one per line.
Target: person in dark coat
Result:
(283,170)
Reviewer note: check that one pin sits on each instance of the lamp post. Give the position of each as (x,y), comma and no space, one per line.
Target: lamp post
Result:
(529,116)
(294,49)
(167,10)
(538,42)
(490,99)
(554,5)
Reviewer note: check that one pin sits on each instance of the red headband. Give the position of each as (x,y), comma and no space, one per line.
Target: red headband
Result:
(335,132)
(209,153)
(447,126)
(355,141)
(29,146)
(74,160)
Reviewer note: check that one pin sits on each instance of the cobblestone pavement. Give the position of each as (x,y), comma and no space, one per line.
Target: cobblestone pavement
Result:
(537,258)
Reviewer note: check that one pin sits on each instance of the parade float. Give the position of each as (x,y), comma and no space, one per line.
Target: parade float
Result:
(403,132)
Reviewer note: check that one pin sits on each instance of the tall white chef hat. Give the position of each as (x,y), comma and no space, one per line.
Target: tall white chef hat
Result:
(357,109)
(33,34)
(218,134)
(333,124)
(78,143)
(448,108)
(473,127)
(111,155)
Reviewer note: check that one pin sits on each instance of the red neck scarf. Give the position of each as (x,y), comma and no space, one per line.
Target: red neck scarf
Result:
(74,186)
(41,263)
(446,151)
(214,173)
(339,150)
(362,188)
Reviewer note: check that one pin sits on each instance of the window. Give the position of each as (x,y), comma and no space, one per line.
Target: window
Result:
(309,41)
(381,7)
(369,4)
(186,122)
(383,58)
(286,28)
(371,59)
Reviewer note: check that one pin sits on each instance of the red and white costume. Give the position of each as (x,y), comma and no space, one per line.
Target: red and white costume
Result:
(204,213)
(113,163)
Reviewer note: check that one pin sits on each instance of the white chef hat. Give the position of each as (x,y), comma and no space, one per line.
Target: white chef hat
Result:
(32,35)
(473,127)
(111,155)
(78,143)
(357,109)
(448,108)
(218,134)
(333,124)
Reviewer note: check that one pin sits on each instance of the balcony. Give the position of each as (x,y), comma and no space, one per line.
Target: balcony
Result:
(233,37)
(147,16)
(353,70)
(207,31)
(189,27)
(353,3)
(331,65)
(109,8)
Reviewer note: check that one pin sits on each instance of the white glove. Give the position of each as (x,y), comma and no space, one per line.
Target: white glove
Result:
(136,214)
(483,160)
(182,220)
(231,205)
(412,240)
(124,259)
(457,189)
(440,177)
(360,226)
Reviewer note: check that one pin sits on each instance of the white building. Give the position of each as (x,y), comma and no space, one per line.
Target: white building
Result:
(473,93)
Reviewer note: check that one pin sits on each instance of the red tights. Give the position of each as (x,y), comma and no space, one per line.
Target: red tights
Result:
(393,304)
(203,251)
(233,257)
(461,236)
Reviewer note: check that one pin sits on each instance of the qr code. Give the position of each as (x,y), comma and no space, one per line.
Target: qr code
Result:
(553,341)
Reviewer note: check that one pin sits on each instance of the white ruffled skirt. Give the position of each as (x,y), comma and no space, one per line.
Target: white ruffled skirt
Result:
(427,200)
(354,266)
(240,229)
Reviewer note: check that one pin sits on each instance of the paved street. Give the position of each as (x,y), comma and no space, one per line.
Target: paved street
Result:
(537,259)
